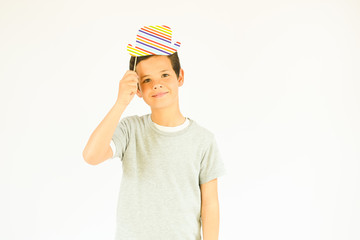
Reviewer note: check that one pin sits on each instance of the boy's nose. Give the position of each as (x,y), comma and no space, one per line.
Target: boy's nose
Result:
(157,86)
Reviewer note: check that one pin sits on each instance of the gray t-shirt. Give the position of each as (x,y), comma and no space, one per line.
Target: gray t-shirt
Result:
(160,196)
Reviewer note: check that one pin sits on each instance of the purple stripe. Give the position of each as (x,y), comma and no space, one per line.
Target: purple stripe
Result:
(152,47)
(155,36)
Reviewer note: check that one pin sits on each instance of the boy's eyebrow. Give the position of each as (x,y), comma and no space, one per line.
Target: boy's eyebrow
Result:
(160,71)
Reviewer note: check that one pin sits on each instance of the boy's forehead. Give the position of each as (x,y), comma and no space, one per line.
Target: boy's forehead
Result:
(153,65)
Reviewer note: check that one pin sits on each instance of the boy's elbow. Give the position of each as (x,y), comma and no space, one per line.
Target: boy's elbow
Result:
(88,159)
(98,158)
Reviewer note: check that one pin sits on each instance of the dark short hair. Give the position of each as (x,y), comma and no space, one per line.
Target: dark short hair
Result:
(174,59)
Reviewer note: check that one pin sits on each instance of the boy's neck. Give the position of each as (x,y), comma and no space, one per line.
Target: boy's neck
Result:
(167,117)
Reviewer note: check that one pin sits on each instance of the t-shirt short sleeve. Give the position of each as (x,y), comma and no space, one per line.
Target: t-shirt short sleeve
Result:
(113,148)
(120,138)
(212,165)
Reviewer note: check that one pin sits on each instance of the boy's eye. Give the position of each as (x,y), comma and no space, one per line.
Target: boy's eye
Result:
(163,75)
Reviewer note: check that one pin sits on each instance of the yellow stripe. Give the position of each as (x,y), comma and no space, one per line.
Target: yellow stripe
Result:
(141,51)
(157,46)
(133,53)
(137,51)
(165,29)
(134,50)
(161,29)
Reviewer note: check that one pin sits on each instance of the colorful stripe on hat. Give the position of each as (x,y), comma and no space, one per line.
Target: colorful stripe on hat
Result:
(153,40)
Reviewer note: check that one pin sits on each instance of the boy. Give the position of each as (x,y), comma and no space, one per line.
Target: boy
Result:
(170,163)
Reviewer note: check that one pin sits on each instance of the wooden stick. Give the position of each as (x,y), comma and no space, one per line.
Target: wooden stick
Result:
(135,63)
(135,69)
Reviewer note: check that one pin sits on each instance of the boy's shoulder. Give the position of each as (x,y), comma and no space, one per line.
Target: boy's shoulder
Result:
(133,119)
(201,129)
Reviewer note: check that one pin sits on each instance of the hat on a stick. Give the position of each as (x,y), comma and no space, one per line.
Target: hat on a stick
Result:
(153,40)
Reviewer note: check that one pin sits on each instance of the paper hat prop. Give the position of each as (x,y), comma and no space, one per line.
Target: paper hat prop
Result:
(153,40)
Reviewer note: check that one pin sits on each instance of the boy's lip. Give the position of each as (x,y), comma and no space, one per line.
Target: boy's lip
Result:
(159,94)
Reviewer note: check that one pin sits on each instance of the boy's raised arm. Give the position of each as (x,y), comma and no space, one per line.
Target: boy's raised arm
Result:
(97,147)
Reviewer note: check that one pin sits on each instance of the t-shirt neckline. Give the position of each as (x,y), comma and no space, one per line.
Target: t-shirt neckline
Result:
(176,133)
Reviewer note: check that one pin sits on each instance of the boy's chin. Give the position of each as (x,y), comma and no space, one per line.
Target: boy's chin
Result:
(159,105)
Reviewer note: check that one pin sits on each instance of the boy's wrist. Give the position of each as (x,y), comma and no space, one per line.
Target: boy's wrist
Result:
(120,105)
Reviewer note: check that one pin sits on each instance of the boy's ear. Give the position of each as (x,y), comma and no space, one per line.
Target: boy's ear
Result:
(181,77)
(138,93)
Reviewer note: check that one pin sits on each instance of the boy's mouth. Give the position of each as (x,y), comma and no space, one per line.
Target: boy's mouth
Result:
(159,94)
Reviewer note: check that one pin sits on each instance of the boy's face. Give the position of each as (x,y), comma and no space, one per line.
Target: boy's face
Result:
(156,76)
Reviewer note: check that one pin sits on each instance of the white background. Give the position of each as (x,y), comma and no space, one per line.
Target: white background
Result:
(277,82)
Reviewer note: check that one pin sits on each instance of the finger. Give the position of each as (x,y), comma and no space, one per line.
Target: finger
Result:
(135,76)
(136,79)
(131,73)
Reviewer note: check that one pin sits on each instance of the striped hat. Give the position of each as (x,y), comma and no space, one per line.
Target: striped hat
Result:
(153,40)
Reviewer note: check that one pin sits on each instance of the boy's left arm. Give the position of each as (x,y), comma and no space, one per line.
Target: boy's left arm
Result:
(210,210)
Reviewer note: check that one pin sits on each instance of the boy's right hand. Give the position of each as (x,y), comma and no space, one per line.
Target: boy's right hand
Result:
(127,87)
